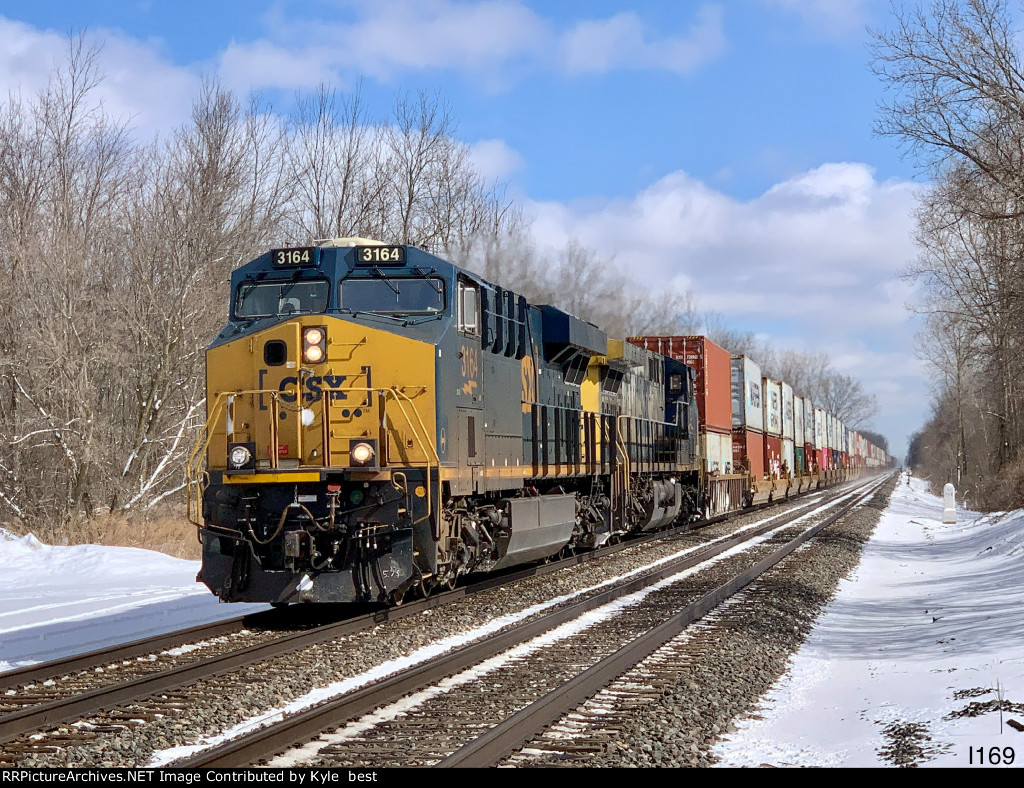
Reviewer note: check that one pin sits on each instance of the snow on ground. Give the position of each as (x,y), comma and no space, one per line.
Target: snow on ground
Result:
(933,610)
(58,601)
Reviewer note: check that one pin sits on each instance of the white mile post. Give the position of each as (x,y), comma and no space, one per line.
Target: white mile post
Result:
(949,504)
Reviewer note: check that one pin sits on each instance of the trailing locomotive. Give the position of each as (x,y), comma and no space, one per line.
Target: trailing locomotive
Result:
(381,421)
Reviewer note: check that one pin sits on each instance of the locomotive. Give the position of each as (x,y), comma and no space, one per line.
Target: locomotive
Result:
(381,421)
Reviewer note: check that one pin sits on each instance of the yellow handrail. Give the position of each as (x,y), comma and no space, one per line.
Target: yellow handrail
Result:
(195,472)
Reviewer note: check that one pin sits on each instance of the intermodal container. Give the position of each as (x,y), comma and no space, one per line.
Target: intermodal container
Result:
(800,466)
(714,375)
(788,458)
(772,456)
(798,421)
(716,448)
(788,416)
(772,406)
(748,452)
(747,405)
(808,422)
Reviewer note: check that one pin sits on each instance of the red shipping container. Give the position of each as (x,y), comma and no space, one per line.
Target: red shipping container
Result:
(714,375)
(773,456)
(748,452)
(810,459)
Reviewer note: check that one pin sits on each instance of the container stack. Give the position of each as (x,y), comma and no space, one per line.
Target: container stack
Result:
(747,417)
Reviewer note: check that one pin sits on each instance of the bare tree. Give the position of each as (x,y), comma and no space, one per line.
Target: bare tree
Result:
(955,88)
(955,100)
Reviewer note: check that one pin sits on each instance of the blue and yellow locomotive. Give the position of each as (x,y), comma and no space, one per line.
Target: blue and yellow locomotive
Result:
(381,421)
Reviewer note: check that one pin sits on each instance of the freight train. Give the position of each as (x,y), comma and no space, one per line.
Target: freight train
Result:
(382,422)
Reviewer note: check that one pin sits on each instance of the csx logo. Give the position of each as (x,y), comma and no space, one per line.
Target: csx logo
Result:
(313,388)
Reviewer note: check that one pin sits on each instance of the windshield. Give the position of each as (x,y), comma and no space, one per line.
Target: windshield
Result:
(281,298)
(393,295)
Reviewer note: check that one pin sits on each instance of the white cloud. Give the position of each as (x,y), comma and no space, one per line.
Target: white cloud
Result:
(836,17)
(826,245)
(138,84)
(600,46)
(386,38)
(494,159)
(488,40)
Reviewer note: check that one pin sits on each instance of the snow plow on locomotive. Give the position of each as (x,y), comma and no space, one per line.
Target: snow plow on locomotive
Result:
(381,421)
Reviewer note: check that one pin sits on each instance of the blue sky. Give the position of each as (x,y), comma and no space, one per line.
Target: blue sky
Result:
(722,146)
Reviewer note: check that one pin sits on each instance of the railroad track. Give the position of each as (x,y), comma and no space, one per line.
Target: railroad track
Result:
(458,694)
(41,710)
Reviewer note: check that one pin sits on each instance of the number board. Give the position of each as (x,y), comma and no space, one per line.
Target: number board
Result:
(380,255)
(302,255)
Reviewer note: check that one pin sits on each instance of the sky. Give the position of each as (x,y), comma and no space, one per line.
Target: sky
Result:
(933,612)
(727,148)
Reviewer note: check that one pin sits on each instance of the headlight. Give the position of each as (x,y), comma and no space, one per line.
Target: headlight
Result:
(314,336)
(362,453)
(314,345)
(240,456)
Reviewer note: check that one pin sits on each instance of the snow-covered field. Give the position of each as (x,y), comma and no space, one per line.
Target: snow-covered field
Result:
(57,601)
(933,610)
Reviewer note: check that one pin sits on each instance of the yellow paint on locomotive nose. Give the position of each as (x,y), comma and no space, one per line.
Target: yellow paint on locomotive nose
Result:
(366,369)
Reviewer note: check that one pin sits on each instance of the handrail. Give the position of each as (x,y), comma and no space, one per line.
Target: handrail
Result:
(195,472)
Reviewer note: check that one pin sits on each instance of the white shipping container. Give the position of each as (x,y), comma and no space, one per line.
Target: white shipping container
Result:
(808,422)
(788,457)
(717,450)
(788,417)
(798,421)
(819,428)
(772,390)
(747,405)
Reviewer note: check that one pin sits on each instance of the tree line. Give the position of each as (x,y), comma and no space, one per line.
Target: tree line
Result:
(117,254)
(955,103)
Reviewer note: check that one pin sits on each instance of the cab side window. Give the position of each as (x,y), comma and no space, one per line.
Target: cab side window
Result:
(469,308)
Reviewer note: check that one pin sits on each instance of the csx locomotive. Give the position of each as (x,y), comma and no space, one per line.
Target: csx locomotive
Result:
(381,421)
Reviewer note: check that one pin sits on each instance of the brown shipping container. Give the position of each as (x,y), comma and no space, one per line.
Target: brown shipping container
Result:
(748,452)
(773,456)
(714,377)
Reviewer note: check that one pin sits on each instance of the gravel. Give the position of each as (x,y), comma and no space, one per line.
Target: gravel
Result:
(678,731)
(719,672)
